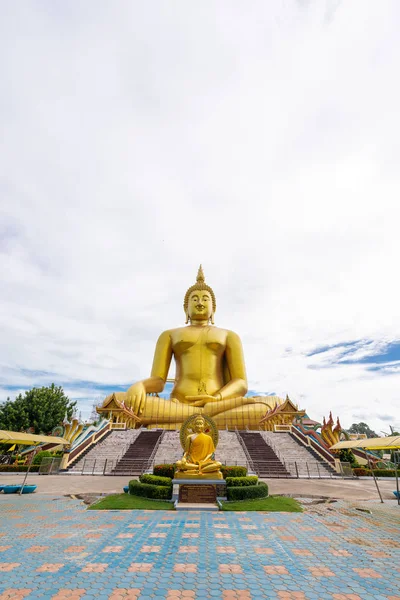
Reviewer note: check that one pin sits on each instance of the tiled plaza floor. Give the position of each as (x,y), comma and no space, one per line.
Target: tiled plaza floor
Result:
(52,547)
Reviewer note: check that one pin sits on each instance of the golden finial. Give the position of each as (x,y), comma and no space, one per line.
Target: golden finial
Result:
(200,275)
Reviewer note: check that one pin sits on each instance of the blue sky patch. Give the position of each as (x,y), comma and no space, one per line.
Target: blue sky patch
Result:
(378,356)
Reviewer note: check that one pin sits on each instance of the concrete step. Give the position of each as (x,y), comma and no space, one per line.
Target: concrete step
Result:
(196,507)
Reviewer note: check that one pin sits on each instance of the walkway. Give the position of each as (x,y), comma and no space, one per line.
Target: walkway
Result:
(330,488)
(53,548)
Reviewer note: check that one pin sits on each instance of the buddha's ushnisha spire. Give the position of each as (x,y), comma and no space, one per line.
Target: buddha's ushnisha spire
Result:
(200,275)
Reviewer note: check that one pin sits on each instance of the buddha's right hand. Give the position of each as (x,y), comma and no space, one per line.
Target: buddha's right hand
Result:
(136,397)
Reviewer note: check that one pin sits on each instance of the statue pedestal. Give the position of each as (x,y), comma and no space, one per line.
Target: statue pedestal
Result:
(197,494)
(185,475)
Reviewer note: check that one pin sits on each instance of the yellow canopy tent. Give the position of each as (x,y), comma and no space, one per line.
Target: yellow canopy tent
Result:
(382,443)
(391,442)
(29,439)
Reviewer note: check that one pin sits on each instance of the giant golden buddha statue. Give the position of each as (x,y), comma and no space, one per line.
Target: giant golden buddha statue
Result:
(210,375)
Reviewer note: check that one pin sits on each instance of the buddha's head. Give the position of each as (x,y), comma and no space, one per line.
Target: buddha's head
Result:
(199,425)
(199,303)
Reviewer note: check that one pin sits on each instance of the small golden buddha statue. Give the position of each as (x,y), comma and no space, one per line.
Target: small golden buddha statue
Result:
(210,373)
(198,459)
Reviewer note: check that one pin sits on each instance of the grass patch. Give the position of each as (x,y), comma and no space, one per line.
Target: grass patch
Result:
(270,504)
(128,502)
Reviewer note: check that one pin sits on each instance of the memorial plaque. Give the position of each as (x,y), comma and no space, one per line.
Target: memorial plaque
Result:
(202,494)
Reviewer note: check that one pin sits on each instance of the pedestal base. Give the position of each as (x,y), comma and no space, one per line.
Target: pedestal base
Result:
(189,476)
(197,493)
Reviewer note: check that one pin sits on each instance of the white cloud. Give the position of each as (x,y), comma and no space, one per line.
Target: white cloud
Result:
(139,140)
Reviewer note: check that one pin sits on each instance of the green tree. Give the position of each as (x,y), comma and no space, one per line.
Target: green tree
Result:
(346,455)
(40,408)
(362,428)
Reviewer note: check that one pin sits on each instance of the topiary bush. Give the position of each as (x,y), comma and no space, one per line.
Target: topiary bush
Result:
(384,473)
(146,490)
(247,492)
(361,472)
(164,470)
(155,480)
(40,455)
(233,471)
(346,455)
(241,481)
(18,468)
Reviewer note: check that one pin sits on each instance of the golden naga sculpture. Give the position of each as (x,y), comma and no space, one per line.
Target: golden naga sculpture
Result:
(210,374)
(330,434)
(198,460)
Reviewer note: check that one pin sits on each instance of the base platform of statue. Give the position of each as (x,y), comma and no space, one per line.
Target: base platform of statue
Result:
(197,494)
(216,475)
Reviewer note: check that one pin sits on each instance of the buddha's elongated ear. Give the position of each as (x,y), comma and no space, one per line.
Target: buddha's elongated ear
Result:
(212,318)
(187,317)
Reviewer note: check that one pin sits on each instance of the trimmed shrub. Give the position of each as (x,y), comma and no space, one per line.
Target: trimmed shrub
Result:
(164,470)
(40,455)
(146,490)
(233,471)
(241,481)
(155,480)
(385,473)
(361,472)
(346,455)
(18,468)
(247,492)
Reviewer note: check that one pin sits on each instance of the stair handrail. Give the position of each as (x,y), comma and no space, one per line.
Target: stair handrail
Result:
(243,445)
(154,452)
(273,446)
(129,444)
(323,453)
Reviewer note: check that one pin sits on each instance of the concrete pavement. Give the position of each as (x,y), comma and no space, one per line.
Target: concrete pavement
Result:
(346,489)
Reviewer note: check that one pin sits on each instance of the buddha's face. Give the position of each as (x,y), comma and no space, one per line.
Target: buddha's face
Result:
(200,305)
(199,425)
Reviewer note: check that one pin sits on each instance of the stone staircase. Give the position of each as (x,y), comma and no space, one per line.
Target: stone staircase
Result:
(169,450)
(103,456)
(298,459)
(265,461)
(229,451)
(136,458)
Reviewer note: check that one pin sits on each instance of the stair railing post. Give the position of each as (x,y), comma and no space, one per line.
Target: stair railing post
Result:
(297,470)
(83,466)
(308,470)
(94,464)
(319,474)
(105,466)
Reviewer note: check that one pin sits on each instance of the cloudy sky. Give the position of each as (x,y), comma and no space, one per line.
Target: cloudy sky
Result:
(139,139)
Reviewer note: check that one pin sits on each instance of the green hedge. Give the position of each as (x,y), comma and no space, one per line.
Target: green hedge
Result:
(45,454)
(247,492)
(233,471)
(385,473)
(18,468)
(360,472)
(155,480)
(164,470)
(40,455)
(146,490)
(241,481)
